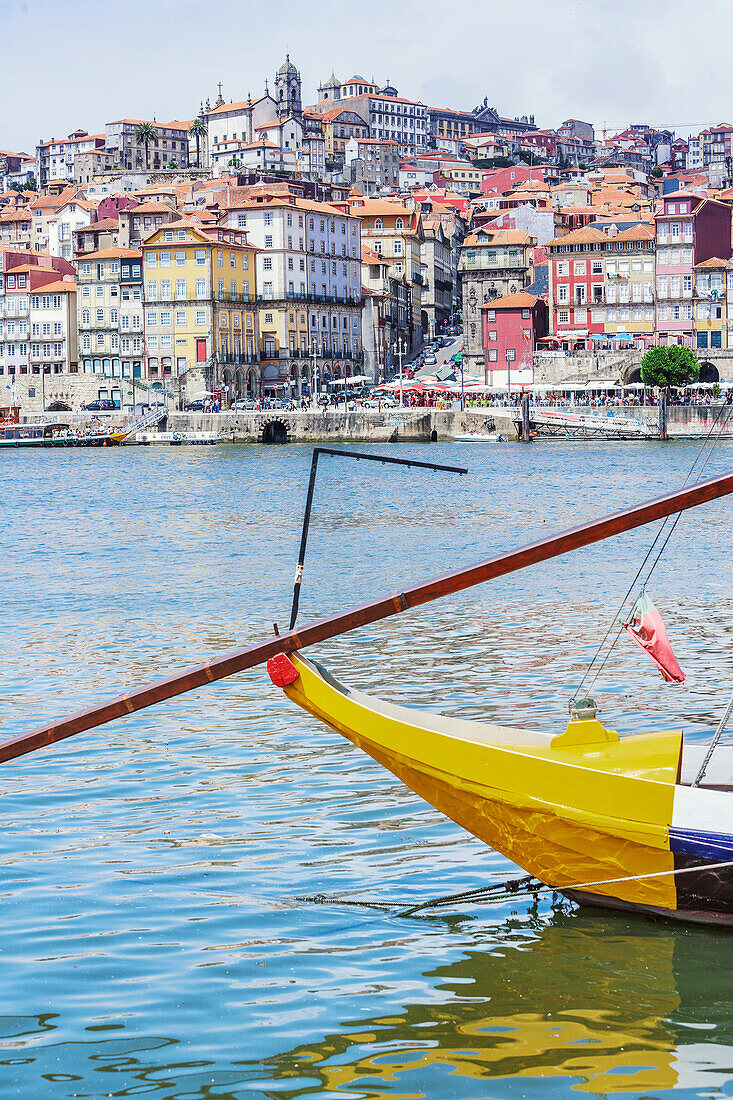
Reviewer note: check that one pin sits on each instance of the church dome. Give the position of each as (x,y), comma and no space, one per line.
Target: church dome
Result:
(287,68)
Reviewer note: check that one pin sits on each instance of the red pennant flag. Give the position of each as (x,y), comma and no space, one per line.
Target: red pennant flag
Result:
(646,627)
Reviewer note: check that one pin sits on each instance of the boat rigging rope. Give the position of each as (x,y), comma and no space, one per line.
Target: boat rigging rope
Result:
(713,744)
(504,891)
(670,531)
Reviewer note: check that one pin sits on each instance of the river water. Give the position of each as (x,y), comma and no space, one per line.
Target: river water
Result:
(155,941)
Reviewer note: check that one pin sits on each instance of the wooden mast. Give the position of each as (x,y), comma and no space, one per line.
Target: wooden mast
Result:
(240,659)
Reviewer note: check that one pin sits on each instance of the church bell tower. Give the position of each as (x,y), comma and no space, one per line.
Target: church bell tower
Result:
(288,91)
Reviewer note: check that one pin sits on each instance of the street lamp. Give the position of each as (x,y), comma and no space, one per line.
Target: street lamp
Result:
(399,347)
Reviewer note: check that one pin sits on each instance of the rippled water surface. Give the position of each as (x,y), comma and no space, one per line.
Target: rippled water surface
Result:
(153,937)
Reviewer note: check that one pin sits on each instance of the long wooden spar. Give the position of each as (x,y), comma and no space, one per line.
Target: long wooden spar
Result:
(239,659)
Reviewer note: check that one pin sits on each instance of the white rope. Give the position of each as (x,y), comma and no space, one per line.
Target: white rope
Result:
(639,878)
(714,743)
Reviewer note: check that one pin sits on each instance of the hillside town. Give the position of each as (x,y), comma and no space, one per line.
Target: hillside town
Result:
(268,246)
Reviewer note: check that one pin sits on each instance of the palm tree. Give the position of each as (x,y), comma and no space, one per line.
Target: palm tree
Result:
(198,129)
(146,133)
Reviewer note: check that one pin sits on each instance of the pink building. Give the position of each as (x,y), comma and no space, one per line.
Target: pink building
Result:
(110,206)
(503,180)
(512,325)
(690,230)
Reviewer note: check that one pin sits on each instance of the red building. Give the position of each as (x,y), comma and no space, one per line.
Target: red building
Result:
(110,206)
(503,180)
(543,140)
(512,325)
(577,282)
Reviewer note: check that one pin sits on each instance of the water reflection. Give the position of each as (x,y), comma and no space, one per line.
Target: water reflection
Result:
(598,1003)
(565,1001)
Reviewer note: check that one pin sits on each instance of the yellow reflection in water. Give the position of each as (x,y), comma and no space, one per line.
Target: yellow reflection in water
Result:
(585,997)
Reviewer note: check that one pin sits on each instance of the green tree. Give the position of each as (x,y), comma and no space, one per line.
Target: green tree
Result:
(198,130)
(173,164)
(656,173)
(145,132)
(669,366)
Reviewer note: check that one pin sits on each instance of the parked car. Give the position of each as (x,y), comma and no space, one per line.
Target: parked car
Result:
(103,405)
(430,360)
(195,406)
(245,404)
(278,403)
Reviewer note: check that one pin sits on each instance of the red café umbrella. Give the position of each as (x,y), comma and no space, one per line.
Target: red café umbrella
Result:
(407,384)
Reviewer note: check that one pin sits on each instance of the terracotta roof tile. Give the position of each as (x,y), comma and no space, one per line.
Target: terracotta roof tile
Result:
(112,254)
(521,300)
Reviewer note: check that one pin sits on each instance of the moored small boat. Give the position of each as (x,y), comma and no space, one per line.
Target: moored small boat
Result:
(481,437)
(173,439)
(52,435)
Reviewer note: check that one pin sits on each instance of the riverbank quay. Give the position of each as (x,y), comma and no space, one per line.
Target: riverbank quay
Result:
(410,425)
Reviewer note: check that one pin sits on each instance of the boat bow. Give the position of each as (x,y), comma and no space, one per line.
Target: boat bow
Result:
(582,807)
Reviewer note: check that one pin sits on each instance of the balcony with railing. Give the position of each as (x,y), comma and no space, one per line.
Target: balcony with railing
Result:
(238,357)
(322,352)
(306,296)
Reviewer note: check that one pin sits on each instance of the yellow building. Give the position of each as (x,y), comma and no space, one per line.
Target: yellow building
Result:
(339,125)
(466,180)
(201,330)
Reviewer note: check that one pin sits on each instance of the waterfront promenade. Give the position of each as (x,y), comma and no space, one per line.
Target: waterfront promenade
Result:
(412,425)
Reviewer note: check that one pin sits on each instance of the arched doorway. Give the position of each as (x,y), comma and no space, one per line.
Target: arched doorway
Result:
(708,372)
(253,388)
(275,432)
(228,380)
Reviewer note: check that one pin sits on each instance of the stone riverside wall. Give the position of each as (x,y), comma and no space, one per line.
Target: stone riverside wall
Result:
(368,426)
(407,426)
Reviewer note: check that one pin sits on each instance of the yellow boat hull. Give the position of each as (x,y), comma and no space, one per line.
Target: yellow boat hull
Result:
(585,811)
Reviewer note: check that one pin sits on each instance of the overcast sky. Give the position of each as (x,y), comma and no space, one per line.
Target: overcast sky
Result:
(68,64)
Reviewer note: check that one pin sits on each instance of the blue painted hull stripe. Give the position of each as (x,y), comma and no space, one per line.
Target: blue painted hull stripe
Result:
(717,847)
